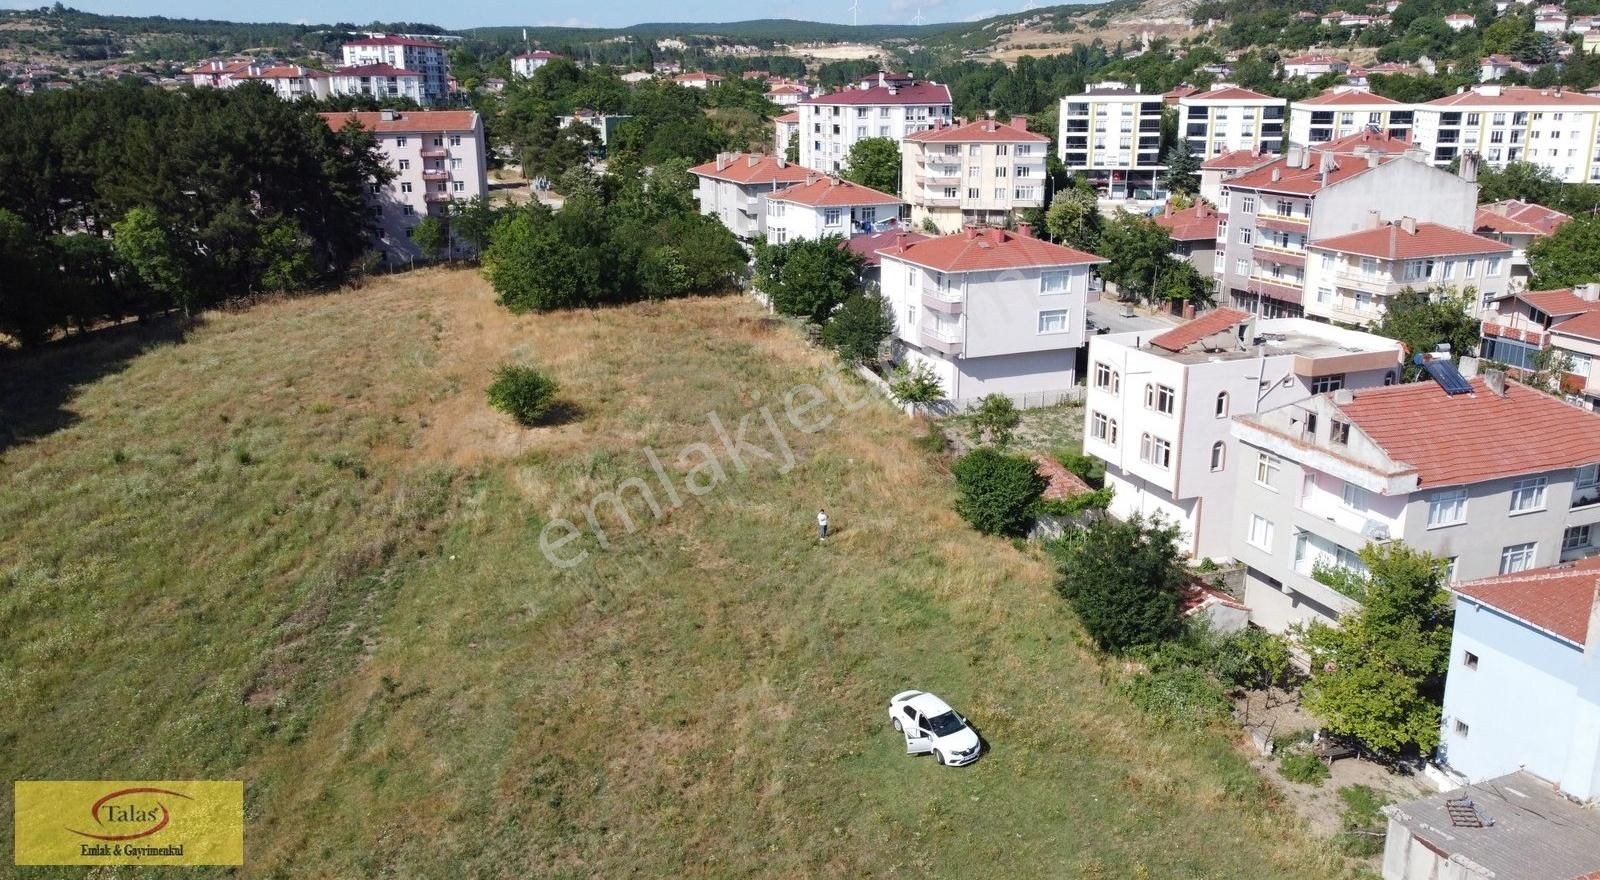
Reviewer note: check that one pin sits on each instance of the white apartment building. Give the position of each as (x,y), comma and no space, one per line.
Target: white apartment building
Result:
(1158,408)
(786,127)
(1555,128)
(1451,474)
(825,205)
(885,105)
(421,57)
(438,157)
(378,81)
(1351,278)
(787,94)
(604,124)
(980,173)
(990,312)
(289,82)
(218,74)
(698,79)
(1217,169)
(1227,118)
(734,187)
(1341,112)
(1313,65)
(1517,328)
(1111,133)
(526,63)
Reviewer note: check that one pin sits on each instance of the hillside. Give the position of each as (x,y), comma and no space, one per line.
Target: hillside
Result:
(297,548)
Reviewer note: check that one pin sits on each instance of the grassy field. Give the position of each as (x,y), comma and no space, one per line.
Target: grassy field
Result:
(297,548)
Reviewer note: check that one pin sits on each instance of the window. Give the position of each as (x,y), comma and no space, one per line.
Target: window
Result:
(408,211)
(1450,569)
(1528,495)
(1260,535)
(1052,282)
(1247,205)
(1355,497)
(1000,149)
(1106,379)
(1222,405)
(1325,384)
(1241,266)
(455,163)
(1324,295)
(831,217)
(458,186)
(401,142)
(1246,235)
(1587,477)
(1156,451)
(1462,729)
(1159,398)
(405,164)
(1053,321)
(405,187)
(1219,455)
(438,141)
(1517,557)
(455,140)
(1103,428)
(1469,659)
(1492,266)
(1267,467)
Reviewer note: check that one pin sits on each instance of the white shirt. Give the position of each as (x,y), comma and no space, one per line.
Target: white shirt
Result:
(822,518)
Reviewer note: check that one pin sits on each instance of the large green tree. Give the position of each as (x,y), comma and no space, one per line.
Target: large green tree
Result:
(1074,219)
(1124,578)
(142,243)
(1182,173)
(997,491)
(859,326)
(1423,319)
(1569,256)
(874,162)
(1137,252)
(807,278)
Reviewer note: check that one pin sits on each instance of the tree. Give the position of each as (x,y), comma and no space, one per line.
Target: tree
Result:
(995,418)
(916,383)
(471,220)
(141,242)
(1181,281)
(791,152)
(25,313)
(997,491)
(533,267)
(1124,579)
(1379,675)
(874,162)
(1182,174)
(1137,252)
(858,327)
(523,393)
(1569,256)
(1422,319)
(807,278)
(1074,219)
(430,236)
(284,257)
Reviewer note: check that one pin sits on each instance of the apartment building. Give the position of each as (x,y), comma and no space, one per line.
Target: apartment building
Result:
(698,79)
(1351,278)
(786,127)
(525,64)
(787,94)
(1518,224)
(1555,128)
(289,81)
(379,81)
(1313,65)
(1111,134)
(883,105)
(1158,408)
(218,74)
(1217,169)
(1517,328)
(734,187)
(980,173)
(825,205)
(438,157)
(425,59)
(1226,118)
(1341,112)
(1523,687)
(1273,211)
(1439,465)
(990,311)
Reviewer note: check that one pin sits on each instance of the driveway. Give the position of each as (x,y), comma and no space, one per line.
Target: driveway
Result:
(1108,313)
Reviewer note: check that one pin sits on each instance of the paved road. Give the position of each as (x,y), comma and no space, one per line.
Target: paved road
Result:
(1108,313)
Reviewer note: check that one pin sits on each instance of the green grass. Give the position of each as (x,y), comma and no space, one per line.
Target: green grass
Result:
(299,549)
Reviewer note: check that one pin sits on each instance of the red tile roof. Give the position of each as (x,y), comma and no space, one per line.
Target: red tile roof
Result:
(1064,484)
(786,90)
(916,93)
(1348,97)
(867,244)
(832,191)
(1229,93)
(1584,326)
(752,168)
(982,249)
(1237,159)
(984,130)
(1557,303)
(1556,598)
(1314,59)
(1190,332)
(1367,140)
(1515,95)
(395,41)
(792,116)
(1197,596)
(283,71)
(1302,181)
(1455,439)
(407,120)
(1391,241)
(1198,223)
(1514,216)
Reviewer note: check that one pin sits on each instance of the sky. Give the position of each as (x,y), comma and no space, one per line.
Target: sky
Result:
(589,13)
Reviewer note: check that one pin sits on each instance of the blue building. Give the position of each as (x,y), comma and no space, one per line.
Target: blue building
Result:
(1523,691)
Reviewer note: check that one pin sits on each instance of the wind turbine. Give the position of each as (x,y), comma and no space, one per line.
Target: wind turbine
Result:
(1028,5)
(855,7)
(917,19)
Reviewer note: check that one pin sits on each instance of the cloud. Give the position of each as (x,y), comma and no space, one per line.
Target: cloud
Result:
(908,5)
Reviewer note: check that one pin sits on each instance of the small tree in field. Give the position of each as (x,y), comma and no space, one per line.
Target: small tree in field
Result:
(998,491)
(430,236)
(916,384)
(995,418)
(1124,578)
(858,327)
(523,393)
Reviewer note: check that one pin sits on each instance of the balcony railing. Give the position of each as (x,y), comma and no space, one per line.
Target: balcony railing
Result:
(436,197)
(947,341)
(1265,214)
(435,174)
(1364,281)
(434,152)
(944,302)
(939,179)
(1586,496)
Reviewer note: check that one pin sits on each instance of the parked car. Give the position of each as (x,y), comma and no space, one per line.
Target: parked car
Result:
(930,726)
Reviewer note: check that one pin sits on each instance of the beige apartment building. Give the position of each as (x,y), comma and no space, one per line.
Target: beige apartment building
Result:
(1351,278)
(980,173)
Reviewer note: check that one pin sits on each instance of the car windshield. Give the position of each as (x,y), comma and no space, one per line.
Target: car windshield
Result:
(946,724)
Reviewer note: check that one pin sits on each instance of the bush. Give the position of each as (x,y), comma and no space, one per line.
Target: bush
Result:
(916,384)
(996,418)
(1253,659)
(1124,580)
(1303,767)
(523,393)
(1184,697)
(1088,468)
(934,441)
(1362,824)
(858,327)
(997,491)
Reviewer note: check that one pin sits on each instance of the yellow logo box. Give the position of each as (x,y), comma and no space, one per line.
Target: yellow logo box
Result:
(129,823)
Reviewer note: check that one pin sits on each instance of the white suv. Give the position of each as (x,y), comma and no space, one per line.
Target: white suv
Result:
(930,725)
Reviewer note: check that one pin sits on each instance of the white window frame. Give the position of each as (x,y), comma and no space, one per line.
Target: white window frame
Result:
(1260,533)
(1516,558)
(1054,282)
(1047,318)
(1528,495)
(1268,467)
(1442,504)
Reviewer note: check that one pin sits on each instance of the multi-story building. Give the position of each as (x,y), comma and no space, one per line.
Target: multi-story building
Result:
(1518,224)
(1556,128)
(1313,65)
(734,187)
(525,64)
(1519,327)
(1217,169)
(1437,465)
(289,82)
(219,74)
(1273,211)
(1523,687)
(990,312)
(1351,278)
(786,127)
(1341,112)
(378,81)
(1227,118)
(787,94)
(883,105)
(421,57)
(698,79)
(825,205)
(979,173)
(1550,19)
(438,157)
(1460,21)
(1158,407)
(1111,134)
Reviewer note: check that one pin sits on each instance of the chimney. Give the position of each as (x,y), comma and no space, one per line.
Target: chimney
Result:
(1374,219)
(1327,164)
(1297,155)
(722,161)
(1409,224)
(1344,397)
(1372,159)
(1277,174)
(1469,167)
(1025,230)
(392,115)
(900,242)
(810,179)
(782,162)
(752,160)
(1589,292)
(971,232)
(1495,381)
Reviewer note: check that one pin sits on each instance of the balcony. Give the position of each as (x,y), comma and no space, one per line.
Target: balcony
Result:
(1360,525)
(947,302)
(1284,289)
(1368,283)
(434,152)
(436,197)
(1299,221)
(1585,496)
(939,179)
(435,174)
(939,200)
(1279,254)
(947,341)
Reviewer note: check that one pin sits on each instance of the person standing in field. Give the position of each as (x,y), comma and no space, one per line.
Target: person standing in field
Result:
(822,525)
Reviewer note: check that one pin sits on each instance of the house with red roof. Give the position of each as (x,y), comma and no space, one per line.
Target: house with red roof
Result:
(786,127)
(423,59)
(698,79)
(1226,118)
(1194,235)
(734,188)
(981,173)
(1352,277)
(1343,111)
(218,73)
(1436,463)
(379,81)
(526,63)
(1215,170)
(1519,224)
(787,94)
(990,311)
(824,205)
(1523,687)
(1519,327)
(885,105)
(1551,127)
(290,82)
(1313,65)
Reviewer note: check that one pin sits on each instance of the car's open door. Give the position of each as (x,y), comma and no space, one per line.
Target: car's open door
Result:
(917,744)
